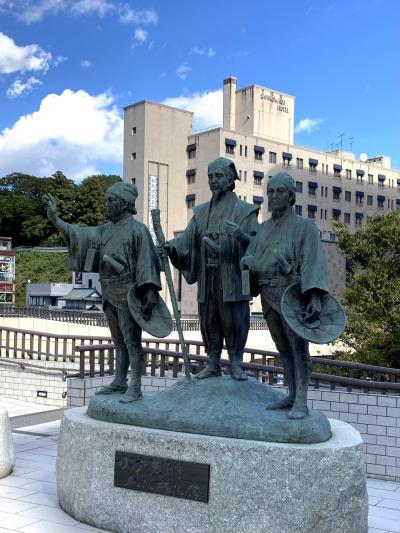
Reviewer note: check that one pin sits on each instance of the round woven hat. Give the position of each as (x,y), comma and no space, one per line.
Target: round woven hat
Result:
(160,322)
(328,327)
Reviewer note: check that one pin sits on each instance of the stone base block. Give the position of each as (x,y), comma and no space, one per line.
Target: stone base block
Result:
(255,487)
(7,452)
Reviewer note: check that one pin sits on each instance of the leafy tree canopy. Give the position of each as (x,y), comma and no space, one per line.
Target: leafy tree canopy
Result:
(372,298)
(23,205)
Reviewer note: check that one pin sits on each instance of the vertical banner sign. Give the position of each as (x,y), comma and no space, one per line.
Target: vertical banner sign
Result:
(7,268)
(152,204)
(78,278)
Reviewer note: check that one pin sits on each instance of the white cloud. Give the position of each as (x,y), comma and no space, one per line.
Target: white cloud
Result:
(209,52)
(14,58)
(19,88)
(128,15)
(74,132)
(207,107)
(88,7)
(85,63)
(140,35)
(59,59)
(308,125)
(182,71)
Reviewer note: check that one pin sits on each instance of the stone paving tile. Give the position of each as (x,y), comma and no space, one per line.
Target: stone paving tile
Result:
(49,514)
(41,498)
(380,493)
(15,521)
(42,486)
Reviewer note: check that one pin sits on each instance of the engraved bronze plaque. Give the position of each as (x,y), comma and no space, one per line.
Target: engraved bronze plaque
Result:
(181,479)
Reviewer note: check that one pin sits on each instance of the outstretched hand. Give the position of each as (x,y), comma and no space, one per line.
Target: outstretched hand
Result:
(52,209)
(313,308)
(149,300)
(234,230)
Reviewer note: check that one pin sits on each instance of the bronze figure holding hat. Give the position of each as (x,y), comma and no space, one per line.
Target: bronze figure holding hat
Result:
(123,254)
(208,252)
(289,270)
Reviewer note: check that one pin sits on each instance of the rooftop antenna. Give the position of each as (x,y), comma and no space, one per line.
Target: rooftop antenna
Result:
(351,141)
(341,143)
(332,145)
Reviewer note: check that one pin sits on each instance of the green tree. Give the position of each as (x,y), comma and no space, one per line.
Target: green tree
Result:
(372,297)
(90,200)
(39,267)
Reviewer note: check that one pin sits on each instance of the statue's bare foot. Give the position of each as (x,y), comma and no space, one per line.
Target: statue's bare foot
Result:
(208,372)
(111,388)
(298,411)
(131,395)
(286,403)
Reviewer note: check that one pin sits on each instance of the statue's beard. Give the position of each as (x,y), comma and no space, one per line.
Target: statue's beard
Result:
(278,212)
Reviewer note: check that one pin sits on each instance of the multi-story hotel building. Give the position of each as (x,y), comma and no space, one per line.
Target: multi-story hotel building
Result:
(168,162)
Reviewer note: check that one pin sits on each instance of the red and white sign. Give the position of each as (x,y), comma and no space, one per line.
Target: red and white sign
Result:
(6,287)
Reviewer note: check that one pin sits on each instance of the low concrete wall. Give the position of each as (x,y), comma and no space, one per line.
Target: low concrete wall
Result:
(375,416)
(24,385)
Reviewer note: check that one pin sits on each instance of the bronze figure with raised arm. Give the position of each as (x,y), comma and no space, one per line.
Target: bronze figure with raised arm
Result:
(123,254)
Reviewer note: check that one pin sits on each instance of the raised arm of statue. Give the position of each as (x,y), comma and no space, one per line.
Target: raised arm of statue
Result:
(52,215)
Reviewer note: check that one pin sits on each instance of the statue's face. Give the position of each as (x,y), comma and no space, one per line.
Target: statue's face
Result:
(278,196)
(218,180)
(113,206)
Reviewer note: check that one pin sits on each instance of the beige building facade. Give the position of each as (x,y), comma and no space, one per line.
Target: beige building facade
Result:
(168,162)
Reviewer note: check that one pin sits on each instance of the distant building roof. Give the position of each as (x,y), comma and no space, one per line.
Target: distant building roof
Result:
(82,294)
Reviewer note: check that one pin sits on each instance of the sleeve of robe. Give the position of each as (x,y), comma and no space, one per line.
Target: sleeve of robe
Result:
(313,264)
(147,265)
(186,252)
(81,242)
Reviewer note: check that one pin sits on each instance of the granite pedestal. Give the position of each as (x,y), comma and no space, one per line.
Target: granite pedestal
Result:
(7,452)
(255,486)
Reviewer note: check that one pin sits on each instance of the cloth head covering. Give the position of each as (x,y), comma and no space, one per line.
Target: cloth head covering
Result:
(226,165)
(127,192)
(285,179)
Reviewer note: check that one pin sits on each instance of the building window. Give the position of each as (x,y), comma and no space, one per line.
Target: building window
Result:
(323,168)
(241,149)
(245,176)
(312,188)
(191,151)
(359,197)
(347,218)
(299,163)
(381,202)
(258,153)
(336,193)
(299,186)
(398,204)
(336,214)
(311,211)
(312,165)
(191,176)
(133,181)
(370,178)
(381,180)
(369,199)
(359,217)
(230,146)
(258,178)
(298,210)
(360,175)
(272,157)
(133,156)
(133,131)
(347,196)
(286,157)
(245,151)
(348,174)
(326,169)
(337,169)
(190,200)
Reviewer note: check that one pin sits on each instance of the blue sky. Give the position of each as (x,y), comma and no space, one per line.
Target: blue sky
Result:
(68,67)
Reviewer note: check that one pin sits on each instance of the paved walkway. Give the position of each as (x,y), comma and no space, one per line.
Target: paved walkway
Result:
(29,504)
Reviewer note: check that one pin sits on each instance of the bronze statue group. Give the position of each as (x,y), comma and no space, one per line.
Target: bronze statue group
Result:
(222,244)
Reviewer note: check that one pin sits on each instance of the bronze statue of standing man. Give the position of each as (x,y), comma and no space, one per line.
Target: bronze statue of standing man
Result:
(208,252)
(286,250)
(123,254)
